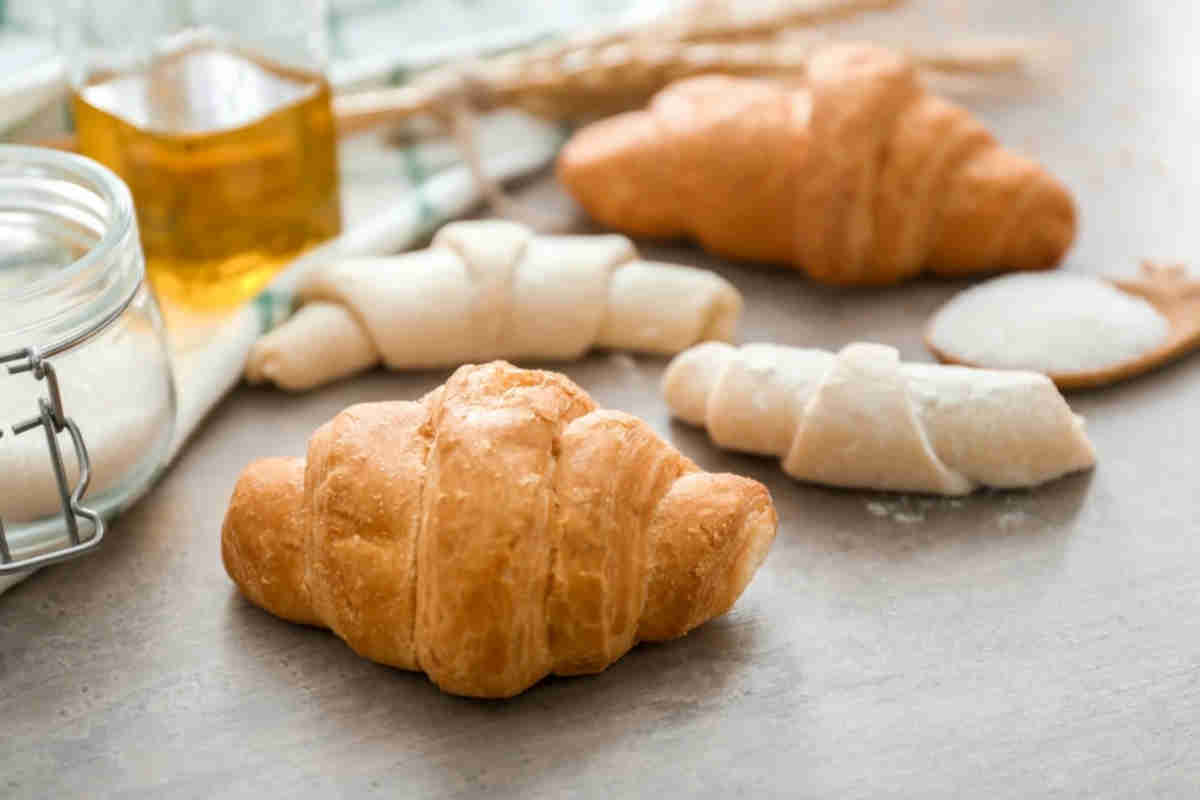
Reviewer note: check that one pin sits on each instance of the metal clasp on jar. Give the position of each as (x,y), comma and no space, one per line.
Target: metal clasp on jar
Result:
(53,421)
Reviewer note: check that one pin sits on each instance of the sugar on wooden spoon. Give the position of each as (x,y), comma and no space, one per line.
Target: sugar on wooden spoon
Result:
(1079,330)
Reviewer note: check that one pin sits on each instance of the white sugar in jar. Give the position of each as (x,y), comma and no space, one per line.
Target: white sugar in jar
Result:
(73,296)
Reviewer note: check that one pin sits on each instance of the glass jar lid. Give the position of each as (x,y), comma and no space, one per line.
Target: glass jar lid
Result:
(69,261)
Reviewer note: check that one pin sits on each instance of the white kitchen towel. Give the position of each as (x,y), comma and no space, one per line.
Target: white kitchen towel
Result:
(394,198)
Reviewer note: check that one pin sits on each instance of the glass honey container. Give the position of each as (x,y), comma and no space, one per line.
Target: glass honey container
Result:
(218,116)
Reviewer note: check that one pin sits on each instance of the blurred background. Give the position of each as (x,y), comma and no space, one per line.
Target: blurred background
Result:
(370,41)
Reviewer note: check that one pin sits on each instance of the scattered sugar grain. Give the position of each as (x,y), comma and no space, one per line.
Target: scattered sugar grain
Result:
(623,361)
(909,509)
(1012,519)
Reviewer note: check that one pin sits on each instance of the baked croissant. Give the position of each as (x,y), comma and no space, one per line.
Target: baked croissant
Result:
(863,419)
(498,530)
(491,289)
(862,177)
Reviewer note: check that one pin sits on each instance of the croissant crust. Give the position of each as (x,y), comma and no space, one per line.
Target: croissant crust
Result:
(498,530)
(862,177)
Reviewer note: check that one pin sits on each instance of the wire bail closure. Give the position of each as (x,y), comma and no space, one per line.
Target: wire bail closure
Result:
(52,419)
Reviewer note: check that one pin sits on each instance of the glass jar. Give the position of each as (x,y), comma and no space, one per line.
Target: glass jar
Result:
(74,309)
(218,116)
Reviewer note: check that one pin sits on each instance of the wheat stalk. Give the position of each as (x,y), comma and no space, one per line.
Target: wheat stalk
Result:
(616,76)
(597,74)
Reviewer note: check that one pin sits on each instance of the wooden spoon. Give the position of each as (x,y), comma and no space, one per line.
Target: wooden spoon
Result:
(1168,289)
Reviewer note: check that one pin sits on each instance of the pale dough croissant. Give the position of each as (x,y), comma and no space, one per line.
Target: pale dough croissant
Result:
(491,289)
(498,530)
(863,419)
(861,177)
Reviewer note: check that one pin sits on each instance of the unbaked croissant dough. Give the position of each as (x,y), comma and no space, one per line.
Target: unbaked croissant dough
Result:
(861,418)
(492,289)
(498,530)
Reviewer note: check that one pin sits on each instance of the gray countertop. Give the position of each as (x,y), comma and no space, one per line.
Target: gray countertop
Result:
(1009,645)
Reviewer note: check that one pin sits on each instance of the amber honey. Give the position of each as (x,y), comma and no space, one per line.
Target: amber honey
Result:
(231,161)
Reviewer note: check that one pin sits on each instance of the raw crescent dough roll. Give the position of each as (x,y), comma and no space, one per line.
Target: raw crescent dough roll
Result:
(491,289)
(863,419)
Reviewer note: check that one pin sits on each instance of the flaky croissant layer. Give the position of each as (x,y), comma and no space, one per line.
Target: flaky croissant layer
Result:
(861,177)
(498,530)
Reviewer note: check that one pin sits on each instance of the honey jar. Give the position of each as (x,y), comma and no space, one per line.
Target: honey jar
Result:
(218,117)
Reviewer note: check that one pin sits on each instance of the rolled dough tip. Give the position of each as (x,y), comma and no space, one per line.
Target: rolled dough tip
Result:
(689,378)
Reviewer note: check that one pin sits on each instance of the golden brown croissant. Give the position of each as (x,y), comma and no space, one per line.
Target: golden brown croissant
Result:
(498,530)
(862,177)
